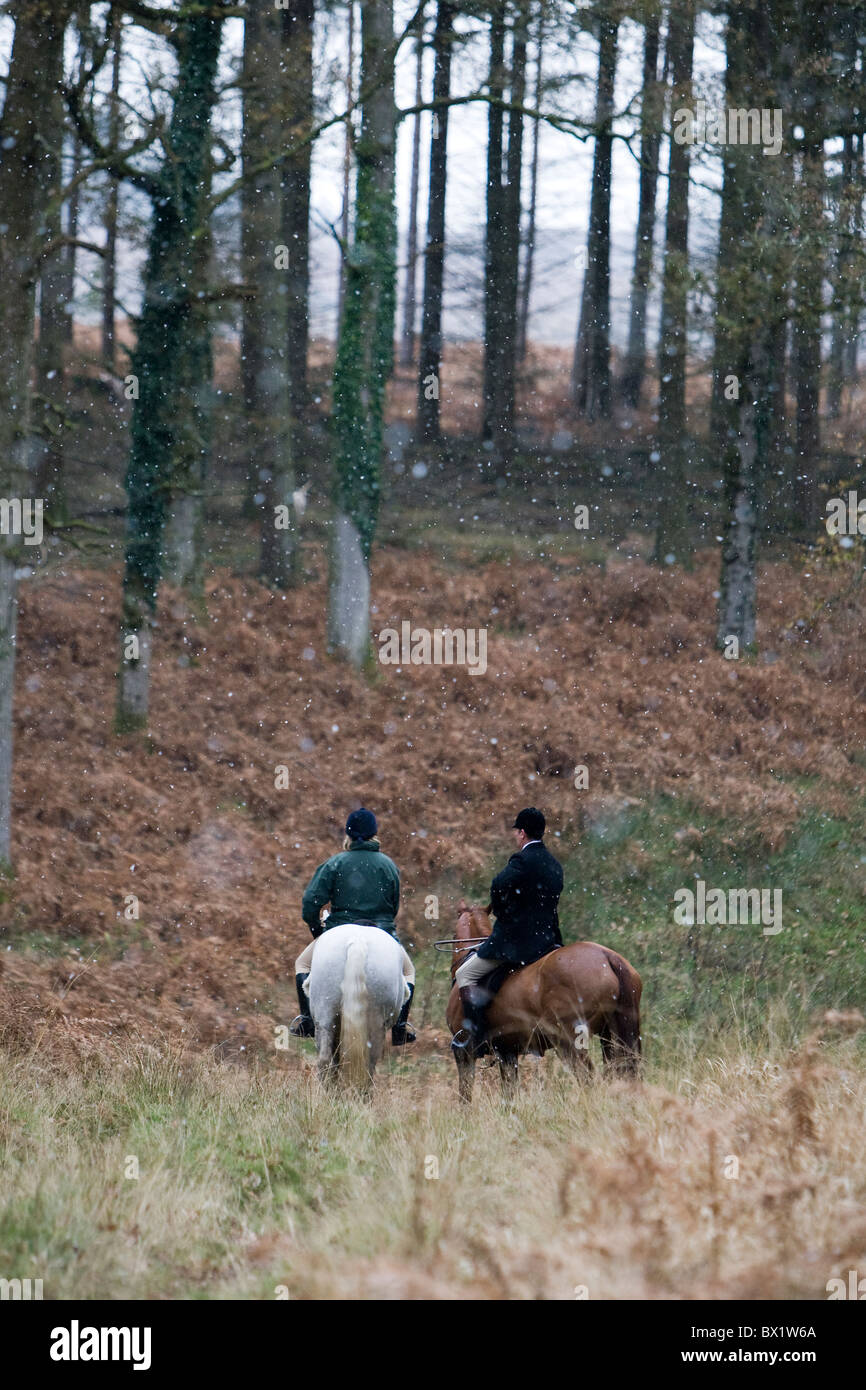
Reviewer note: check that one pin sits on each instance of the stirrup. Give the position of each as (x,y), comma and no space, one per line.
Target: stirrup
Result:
(401,1033)
(302,1027)
(467,1042)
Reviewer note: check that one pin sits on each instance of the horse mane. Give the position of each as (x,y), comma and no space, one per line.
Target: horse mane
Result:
(478,916)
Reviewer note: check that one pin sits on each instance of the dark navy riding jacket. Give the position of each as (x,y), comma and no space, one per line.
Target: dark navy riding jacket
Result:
(524,897)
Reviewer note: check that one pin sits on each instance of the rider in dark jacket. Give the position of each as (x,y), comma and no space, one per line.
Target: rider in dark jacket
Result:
(524,899)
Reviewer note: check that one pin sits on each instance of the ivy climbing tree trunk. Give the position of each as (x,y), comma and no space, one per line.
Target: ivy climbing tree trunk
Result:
(591,368)
(28,135)
(267,114)
(430,353)
(751,306)
(366,346)
(158,366)
(671,542)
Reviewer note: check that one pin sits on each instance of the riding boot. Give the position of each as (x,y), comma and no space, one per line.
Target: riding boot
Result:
(470,1039)
(302,1026)
(400,1033)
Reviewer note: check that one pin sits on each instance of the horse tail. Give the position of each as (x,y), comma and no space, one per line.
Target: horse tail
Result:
(354,1039)
(625,1022)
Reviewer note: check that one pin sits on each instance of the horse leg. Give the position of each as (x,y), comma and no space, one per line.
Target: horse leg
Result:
(325,1047)
(465,1075)
(508,1061)
(626,1048)
(575,1054)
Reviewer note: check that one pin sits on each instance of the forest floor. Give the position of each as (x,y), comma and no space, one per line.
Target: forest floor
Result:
(147,938)
(695,764)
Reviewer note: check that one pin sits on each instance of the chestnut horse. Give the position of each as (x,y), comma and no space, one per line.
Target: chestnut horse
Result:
(558,1002)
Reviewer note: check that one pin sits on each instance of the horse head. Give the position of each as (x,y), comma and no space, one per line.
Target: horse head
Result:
(472,923)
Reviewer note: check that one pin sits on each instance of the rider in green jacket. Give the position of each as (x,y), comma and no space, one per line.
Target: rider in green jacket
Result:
(361,885)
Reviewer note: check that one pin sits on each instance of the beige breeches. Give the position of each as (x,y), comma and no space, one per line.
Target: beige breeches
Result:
(304,963)
(472,970)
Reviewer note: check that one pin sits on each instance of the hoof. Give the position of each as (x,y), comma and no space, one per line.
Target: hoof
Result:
(302,1027)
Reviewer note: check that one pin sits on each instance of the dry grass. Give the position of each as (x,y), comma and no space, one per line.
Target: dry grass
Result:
(250,1183)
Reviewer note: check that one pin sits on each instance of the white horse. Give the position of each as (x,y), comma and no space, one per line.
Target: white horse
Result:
(356,989)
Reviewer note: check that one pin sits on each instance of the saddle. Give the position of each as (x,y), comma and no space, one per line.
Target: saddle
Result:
(494,981)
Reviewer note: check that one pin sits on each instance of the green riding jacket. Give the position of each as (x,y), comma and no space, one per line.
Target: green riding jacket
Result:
(361,885)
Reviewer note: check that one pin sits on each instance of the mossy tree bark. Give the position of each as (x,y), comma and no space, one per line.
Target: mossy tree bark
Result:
(810,263)
(366,347)
(158,363)
(751,306)
(267,92)
(51,414)
(28,138)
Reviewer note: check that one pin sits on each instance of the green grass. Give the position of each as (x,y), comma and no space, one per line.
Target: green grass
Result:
(621,878)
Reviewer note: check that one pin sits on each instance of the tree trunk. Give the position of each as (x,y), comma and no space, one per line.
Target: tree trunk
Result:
(268,94)
(847,291)
(503,232)
(28,135)
(591,368)
(51,413)
(410,298)
(751,305)
(430,354)
(109,261)
(182,559)
(671,541)
(493,237)
(347,163)
(811,252)
(158,363)
(298,21)
(529,259)
(808,310)
(503,426)
(652,113)
(74,202)
(366,348)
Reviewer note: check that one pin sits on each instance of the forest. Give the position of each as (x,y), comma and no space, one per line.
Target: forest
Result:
(441,408)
